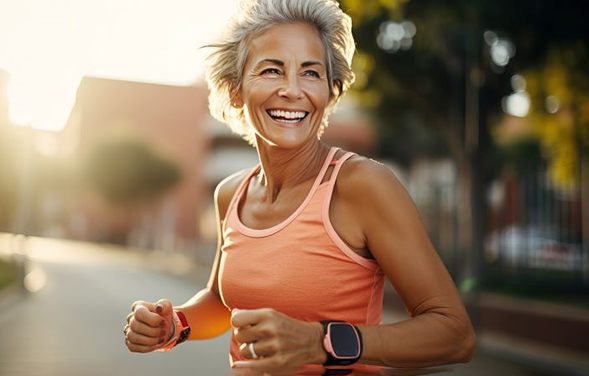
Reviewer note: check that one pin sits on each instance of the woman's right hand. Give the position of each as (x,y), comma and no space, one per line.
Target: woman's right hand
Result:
(149,325)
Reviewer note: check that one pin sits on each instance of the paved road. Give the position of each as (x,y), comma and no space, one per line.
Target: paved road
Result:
(73,324)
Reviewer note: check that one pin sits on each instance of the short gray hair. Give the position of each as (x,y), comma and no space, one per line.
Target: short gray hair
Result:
(226,62)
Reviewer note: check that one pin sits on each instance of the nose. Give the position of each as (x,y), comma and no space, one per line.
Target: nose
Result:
(291,87)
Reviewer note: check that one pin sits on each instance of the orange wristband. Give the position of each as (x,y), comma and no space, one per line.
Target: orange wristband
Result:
(181,331)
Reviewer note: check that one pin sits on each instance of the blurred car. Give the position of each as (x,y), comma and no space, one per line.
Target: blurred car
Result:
(533,247)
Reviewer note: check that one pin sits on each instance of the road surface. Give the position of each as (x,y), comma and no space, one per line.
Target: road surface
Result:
(73,324)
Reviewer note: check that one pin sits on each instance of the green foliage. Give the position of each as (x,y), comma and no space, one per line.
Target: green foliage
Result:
(361,10)
(564,131)
(523,153)
(8,273)
(126,171)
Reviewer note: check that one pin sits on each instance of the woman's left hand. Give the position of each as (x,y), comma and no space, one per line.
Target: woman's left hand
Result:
(280,343)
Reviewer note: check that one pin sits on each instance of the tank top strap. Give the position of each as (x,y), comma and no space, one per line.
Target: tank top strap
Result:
(326,164)
(238,193)
(232,212)
(338,165)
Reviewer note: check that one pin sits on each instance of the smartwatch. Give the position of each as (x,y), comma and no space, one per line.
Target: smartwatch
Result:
(342,343)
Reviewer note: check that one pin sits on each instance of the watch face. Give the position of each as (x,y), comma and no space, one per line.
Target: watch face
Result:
(344,340)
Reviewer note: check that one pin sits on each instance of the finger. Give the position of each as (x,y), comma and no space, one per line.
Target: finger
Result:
(164,307)
(263,349)
(146,330)
(142,303)
(140,339)
(139,348)
(130,316)
(150,318)
(243,317)
(246,334)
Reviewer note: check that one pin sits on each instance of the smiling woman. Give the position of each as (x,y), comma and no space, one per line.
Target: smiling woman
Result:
(284,92)
(227,63)
(306,237)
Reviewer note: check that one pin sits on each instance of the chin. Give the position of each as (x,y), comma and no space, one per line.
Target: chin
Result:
(283,144)
(287,141)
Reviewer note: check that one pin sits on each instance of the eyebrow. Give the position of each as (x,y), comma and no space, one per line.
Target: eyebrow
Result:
(281,63)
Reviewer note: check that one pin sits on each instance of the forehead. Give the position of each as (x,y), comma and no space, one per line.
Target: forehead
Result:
(296,42)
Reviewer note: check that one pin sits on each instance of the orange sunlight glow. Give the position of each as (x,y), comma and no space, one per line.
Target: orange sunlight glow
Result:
(46,47)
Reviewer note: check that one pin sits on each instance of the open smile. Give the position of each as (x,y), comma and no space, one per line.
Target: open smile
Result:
(287,117)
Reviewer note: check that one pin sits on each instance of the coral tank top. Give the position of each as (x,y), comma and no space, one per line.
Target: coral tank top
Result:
(300,267)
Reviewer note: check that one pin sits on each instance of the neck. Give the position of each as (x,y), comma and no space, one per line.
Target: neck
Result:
(287,168)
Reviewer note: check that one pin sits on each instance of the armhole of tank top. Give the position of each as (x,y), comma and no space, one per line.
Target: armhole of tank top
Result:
(236,196)
(339,242)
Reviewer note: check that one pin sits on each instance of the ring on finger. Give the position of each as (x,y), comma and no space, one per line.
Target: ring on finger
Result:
(250,347)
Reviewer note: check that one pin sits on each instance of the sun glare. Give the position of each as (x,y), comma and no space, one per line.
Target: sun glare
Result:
(47,47)
(41,102)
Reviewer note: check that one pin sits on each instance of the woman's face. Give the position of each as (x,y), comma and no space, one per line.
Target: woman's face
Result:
(285,90)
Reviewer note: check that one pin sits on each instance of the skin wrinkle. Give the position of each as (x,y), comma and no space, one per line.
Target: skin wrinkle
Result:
(446,313)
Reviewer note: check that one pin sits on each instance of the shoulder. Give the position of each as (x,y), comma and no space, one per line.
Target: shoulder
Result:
(225,190)
(366,180)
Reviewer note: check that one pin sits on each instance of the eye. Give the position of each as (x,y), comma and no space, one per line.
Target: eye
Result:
(311,73)
(270,71)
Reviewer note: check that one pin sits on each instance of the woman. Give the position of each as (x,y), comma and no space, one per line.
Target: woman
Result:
(307,237)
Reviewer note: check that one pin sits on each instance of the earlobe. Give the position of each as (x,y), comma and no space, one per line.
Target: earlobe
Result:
(237,102)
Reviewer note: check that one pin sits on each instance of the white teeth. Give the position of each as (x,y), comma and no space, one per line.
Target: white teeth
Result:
(291,115)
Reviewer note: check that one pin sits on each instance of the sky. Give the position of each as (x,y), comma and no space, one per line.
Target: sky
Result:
(46,47)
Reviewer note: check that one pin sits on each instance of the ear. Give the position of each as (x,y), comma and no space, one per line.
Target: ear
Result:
(235,96)
(336,92)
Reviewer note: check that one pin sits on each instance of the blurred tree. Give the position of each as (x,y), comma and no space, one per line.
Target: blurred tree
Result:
(435,73)
(128,172)
(559,111)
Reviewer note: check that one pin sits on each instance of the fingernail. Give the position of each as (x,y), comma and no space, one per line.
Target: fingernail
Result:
(159,308)
(161,340)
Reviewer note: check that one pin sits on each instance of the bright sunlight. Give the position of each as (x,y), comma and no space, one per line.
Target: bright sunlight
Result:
(46,47)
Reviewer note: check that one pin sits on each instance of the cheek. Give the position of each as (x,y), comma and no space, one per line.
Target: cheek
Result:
(318,93)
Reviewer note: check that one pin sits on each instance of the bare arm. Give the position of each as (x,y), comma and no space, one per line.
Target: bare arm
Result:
(439,330)
(206,314)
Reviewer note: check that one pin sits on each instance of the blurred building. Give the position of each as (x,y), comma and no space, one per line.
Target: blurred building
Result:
(167,118)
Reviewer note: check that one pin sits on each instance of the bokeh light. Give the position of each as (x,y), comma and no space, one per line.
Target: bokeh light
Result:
(395,36)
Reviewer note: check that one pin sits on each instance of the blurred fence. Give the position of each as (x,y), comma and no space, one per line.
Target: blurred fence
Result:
(533,238)
(536,234)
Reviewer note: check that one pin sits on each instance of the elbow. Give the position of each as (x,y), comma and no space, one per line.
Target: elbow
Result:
(466,347)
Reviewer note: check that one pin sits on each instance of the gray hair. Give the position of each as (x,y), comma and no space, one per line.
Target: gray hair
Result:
(226,62)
